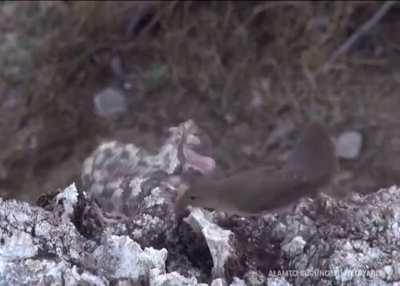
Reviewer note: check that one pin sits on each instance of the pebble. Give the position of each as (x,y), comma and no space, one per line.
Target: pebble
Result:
(348,145)
(109,102)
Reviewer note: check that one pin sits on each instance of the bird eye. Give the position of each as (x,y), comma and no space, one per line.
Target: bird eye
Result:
(192,198)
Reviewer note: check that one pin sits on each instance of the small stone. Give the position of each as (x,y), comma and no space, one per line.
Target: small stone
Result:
(387,272)
(229,118)
(128,85)
(279,231)
(218,282)
(254,278)
(248,150)
(237,282)
(110,102)
(157,278)
(277,281)
(294,247)
(348,145)
(220,242)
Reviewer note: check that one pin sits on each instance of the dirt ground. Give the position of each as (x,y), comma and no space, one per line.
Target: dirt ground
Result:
(246,72)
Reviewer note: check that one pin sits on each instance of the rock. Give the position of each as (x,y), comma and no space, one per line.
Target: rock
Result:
(109,102)
(123,258)
(277,281)
(351,237)
(219,282)
(237,282)
(129,182)
(254,278)
(348,145)
(294,247)
(219,241)
(69,199)
(40,247)
(326,235)
(76,241)
(171,279)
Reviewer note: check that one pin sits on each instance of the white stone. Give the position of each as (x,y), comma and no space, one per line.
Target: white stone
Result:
(125,258)
(348,145)
(158,278)
(218,282)
(237,282)
(109,102)
(69,198)
(277,281)
(218,239)
(294,247)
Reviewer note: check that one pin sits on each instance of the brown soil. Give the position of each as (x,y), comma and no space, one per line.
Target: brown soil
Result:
(243,71)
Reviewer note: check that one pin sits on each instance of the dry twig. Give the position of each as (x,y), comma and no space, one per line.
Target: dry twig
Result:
(356,35)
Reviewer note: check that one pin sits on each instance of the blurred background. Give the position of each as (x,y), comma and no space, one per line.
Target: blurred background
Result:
(74,74)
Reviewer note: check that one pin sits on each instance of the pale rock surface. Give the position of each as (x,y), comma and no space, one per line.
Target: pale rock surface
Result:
(348,145)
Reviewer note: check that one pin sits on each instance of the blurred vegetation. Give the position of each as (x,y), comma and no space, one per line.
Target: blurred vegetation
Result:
(218,48)
(222,53)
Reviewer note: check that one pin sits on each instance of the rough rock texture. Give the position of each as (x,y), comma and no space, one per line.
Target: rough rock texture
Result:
(127,181)
(39,247)
(121,229)
(219,241)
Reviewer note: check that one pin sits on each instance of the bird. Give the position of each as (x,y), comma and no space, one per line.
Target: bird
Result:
(311,164)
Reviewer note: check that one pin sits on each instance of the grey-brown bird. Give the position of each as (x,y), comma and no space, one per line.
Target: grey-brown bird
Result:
(310,165)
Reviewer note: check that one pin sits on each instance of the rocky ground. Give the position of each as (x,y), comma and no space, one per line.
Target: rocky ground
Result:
(77,74)
(71,240)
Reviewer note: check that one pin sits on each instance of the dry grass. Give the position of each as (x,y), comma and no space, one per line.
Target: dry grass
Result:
(222,52)
(219,47)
